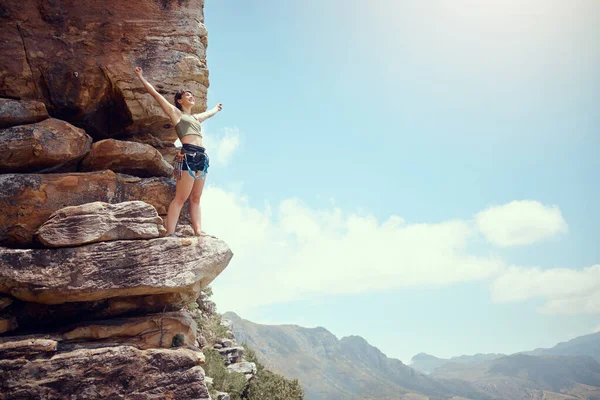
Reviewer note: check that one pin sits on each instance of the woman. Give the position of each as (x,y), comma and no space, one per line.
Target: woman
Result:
(192,161)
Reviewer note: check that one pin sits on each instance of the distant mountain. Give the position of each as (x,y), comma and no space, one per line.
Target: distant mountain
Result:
(522,376)
(350,368)
(588,345)
(427,363)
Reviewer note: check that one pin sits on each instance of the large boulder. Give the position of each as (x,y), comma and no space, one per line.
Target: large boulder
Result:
(15,112)
(112,269)
(78,58)
(131,158)
(28,200)
(166,147)
(100,222)
(243,367)
(40,369)
(42,147)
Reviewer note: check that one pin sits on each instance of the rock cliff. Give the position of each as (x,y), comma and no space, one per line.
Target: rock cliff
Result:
(93,296)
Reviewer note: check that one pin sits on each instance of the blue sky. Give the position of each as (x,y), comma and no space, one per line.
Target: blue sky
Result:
(423,174)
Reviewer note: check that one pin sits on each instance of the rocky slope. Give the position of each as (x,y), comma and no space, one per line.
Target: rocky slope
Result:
(92,295)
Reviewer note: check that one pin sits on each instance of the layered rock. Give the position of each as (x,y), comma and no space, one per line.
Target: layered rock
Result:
(126,157)
(15,112)
(42,370)
(30,316)
(28,200)
(42,147)
(112,269)
(79,59)
(148,331)
(100,222)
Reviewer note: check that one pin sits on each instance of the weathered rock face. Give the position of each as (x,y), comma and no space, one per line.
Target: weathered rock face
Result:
(100,222)
(42,147)
(125,157)
(79,59)
(27,200)
(112,269)
(14,112)
(120,372)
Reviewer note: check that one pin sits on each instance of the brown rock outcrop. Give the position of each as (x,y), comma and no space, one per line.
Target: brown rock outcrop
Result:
(15,112)
(148,331)
(100,222)
(119,372)
(27,200)
(42,147)
(131,158)
(78,58)
(165,147)
(112,269)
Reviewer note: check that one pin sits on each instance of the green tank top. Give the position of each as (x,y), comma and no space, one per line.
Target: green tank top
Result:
(188,125)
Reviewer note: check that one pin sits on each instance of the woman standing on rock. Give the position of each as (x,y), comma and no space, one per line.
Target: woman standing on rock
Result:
(192,157)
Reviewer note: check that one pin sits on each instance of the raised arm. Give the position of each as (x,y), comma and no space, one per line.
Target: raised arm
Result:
(209,113)
(172,111)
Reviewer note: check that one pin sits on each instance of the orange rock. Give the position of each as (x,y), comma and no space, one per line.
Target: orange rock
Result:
(28,200)
(48,145)
(14,112)
(126,157)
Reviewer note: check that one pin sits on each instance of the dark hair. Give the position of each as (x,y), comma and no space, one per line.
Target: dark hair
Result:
(178,96)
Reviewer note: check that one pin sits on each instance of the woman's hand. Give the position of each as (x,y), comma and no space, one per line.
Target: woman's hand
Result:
(138,71)
(219,107)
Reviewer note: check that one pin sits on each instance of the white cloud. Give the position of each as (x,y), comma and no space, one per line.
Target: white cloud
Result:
(293,252)
(565,291)
(220,146)
(520,223)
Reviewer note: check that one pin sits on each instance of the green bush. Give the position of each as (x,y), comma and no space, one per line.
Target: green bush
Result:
(270,386)
(233,383)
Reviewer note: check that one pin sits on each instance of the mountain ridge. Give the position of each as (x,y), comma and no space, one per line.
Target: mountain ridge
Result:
(351,368)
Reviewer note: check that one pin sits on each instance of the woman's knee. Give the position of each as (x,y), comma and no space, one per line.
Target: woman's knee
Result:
(195,198)
(179,200)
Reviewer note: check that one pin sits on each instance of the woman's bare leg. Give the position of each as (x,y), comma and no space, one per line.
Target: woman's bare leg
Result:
(195,213)
(182,192)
